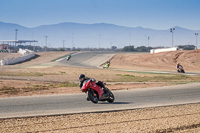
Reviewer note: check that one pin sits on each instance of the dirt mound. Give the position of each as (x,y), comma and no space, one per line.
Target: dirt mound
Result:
(42,58)
(190,59)
(9,55)
(45,57)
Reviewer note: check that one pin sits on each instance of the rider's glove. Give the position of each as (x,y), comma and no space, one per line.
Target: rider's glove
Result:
(93,80)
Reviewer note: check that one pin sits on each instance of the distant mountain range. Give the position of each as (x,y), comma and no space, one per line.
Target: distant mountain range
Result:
(97,35)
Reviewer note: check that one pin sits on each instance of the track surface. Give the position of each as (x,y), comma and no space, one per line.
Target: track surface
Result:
(87,59)
(76,103)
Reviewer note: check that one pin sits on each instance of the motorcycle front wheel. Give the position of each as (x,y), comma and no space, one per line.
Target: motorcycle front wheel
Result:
(93,96)
(111,96)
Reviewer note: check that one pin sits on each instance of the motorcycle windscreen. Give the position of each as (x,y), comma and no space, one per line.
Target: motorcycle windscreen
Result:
(85,86)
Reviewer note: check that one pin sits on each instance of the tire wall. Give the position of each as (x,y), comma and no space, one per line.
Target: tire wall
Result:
(26,55)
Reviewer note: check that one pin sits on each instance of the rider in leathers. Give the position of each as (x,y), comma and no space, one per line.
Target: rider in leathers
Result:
(82,78)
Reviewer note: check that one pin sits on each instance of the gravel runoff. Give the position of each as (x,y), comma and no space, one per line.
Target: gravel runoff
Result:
(179,118)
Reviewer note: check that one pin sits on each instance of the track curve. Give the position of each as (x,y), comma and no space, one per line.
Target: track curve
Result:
(87,59)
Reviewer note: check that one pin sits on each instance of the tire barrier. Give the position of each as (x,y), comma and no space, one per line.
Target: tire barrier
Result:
(26,55)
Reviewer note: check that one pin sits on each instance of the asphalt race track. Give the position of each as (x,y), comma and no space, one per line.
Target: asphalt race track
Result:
(76,103)
(87,59)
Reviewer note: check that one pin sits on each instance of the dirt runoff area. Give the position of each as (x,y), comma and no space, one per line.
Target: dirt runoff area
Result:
(179,118)
(9,55)
(165,61)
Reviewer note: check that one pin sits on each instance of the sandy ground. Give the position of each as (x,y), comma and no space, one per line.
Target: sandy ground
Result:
(40,59)
(9,55)
(180,118)
(44,57)
(166,61)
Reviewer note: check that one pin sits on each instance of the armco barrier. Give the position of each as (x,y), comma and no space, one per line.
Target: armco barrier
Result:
(26,55)
(163,50)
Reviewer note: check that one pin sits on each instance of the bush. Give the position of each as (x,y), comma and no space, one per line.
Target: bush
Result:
(128,48)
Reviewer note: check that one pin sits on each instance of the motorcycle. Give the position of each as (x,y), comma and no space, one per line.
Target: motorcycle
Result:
(106,66)
(96,93)
(68,57)
(180,69)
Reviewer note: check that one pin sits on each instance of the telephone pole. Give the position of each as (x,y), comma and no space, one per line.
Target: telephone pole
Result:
(63,44)
(16,36)
(72,40)
(196,34)
(99,40)
(45,43)
(172,31)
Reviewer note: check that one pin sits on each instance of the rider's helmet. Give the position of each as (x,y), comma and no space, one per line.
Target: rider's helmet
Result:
(82,77)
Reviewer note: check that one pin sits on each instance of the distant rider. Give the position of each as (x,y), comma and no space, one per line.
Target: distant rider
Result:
(107,65)
(178,66)
(69,57)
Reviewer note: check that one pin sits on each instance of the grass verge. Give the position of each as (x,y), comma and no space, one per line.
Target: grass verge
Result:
(158,78)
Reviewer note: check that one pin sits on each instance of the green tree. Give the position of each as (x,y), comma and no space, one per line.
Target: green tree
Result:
(128,48)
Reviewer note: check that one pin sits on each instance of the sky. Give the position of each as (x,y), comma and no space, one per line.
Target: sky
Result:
(154,14)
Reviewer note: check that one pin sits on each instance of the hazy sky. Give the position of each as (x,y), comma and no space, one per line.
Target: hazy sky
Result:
(156,14)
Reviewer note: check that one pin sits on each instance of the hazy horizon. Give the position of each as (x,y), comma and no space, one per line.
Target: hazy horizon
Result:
(98,23)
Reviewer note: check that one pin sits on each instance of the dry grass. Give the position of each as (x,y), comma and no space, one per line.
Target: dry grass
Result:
(59,80)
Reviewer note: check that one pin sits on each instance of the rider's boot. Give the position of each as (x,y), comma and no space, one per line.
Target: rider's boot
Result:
(105,94)
(105,89)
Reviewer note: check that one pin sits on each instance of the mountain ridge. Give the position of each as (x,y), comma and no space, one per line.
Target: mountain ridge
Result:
(97,35)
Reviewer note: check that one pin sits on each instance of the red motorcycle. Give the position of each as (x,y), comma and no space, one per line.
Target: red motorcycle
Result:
(96,93)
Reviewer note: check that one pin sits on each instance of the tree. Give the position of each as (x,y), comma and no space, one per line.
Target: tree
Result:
(143,49)
(113,47)
(187,47)
(128,48)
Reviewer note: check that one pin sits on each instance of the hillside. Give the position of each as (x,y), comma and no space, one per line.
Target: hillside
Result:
(97,35)
(161,61)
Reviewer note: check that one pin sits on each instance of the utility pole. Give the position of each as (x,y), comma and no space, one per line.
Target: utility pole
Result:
(172,31)
(148,40)
(130,38)
(45,43)
(99,40)
(72,40)
(16,36)
(196,34)
(63,44)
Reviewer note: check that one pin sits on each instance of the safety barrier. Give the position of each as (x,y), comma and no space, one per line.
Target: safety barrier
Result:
(26,55)
(163,50)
